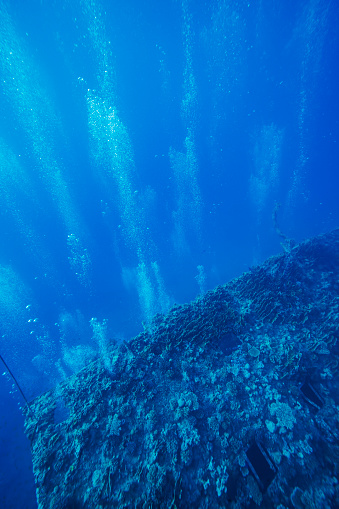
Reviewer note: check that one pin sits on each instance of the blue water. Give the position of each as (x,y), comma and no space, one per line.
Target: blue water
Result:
(143,147)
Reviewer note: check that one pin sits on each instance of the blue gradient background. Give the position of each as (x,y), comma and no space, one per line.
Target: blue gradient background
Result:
(143,147)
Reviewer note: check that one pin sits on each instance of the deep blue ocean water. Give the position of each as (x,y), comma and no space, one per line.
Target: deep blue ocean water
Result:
(144,146)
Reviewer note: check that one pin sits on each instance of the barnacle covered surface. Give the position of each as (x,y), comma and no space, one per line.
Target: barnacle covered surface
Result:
(166,420)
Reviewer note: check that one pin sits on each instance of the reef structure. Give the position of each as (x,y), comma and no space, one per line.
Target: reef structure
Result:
(229,401)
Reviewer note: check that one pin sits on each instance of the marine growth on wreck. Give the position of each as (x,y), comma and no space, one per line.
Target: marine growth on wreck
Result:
(229,401)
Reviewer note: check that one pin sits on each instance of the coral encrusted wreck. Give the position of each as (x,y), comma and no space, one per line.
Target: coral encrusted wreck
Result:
(230,401)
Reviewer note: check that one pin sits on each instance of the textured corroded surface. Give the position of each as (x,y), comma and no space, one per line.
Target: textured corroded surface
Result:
(165,421)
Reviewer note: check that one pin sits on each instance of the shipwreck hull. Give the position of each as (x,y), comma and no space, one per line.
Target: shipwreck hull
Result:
(229,401)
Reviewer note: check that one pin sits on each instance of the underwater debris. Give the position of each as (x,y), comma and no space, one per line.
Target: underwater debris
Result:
(311,395)
(206,407)
(261,465)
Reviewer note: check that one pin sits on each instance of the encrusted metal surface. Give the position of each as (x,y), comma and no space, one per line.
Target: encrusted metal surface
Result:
(165,419)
